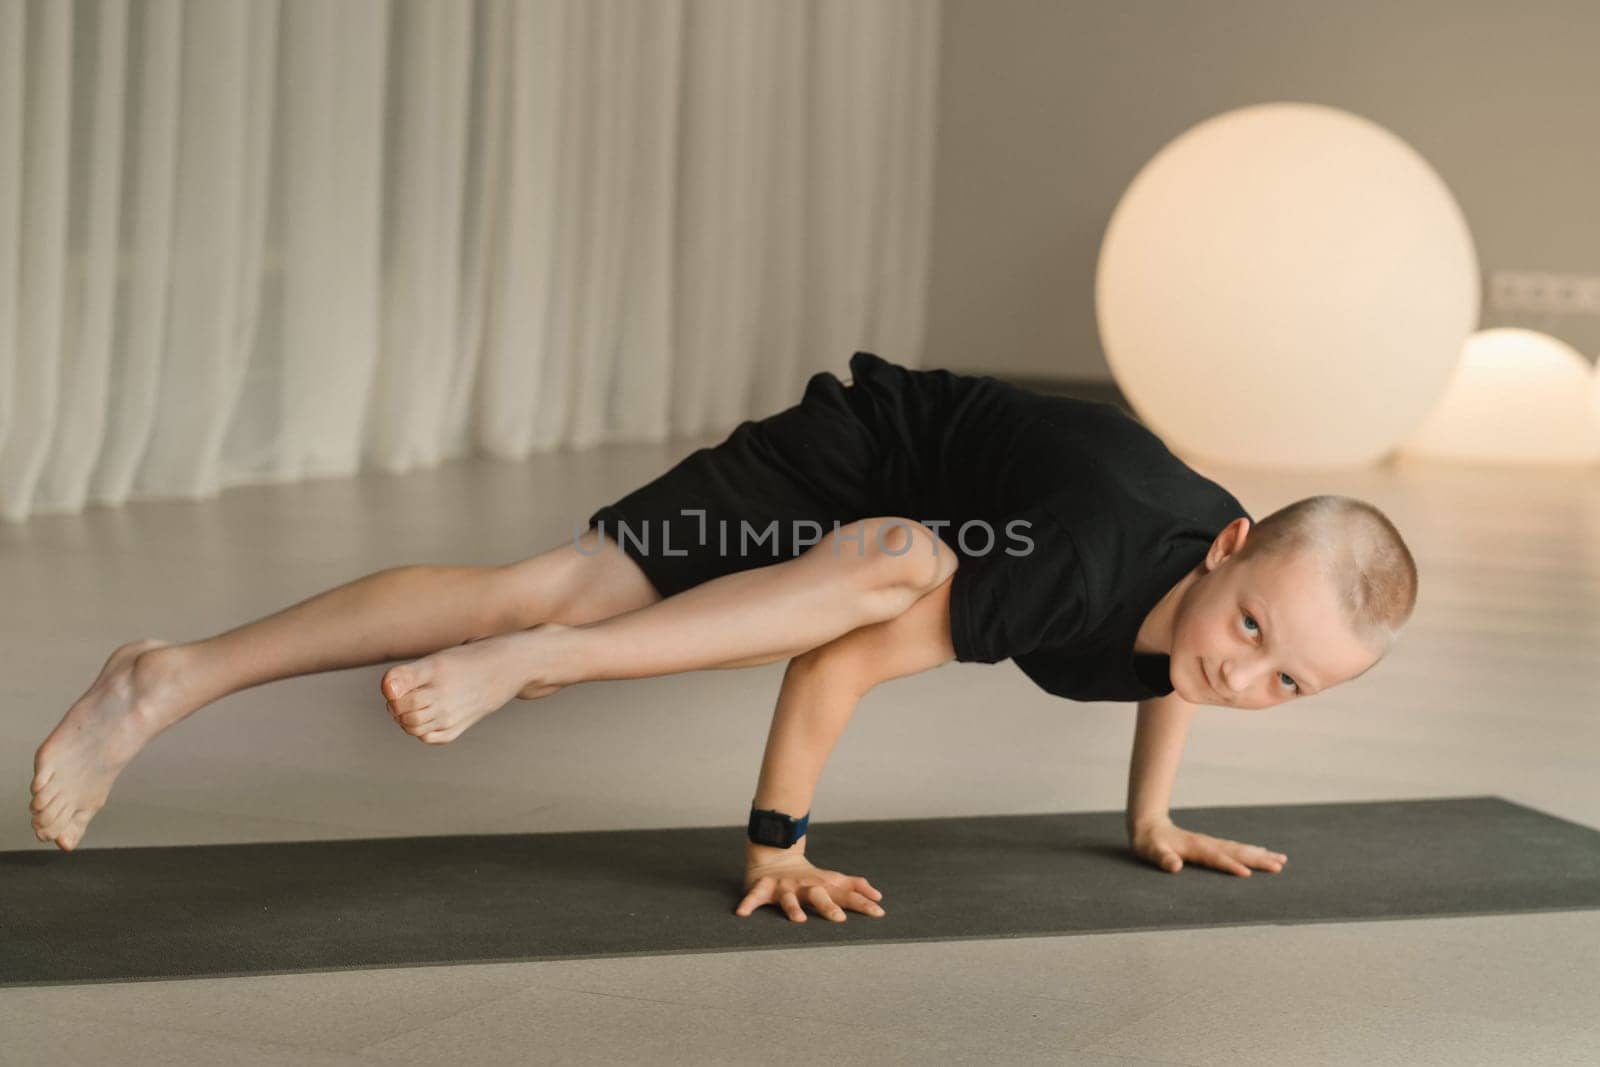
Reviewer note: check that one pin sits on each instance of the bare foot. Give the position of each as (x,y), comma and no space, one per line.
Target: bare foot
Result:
(438,697)
(100,733)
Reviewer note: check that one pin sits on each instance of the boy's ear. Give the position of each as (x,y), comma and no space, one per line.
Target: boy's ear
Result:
(1228,542)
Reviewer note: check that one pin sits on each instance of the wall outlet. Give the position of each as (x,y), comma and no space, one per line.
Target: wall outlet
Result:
(1555,294)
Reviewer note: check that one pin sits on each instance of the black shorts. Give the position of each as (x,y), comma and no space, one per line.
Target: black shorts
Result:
(768,492)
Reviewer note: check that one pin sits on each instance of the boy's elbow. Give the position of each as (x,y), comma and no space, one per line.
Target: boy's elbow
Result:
(1169,708)
(915,640)
(835,665)
(1171,701)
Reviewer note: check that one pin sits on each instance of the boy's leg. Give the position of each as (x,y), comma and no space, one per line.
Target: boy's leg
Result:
(405,612)
(393,614)
(862,574)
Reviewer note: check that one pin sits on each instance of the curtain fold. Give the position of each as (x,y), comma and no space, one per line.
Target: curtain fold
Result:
(246,241)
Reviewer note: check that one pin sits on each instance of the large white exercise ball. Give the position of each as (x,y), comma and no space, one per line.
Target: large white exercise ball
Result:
(1286,285)
(1517,396)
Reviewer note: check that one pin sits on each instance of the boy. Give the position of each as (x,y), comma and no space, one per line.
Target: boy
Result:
(947,517)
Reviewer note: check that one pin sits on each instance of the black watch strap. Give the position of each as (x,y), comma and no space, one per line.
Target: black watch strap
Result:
(775,828)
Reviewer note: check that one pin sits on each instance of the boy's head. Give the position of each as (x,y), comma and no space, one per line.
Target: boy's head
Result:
(1313,595)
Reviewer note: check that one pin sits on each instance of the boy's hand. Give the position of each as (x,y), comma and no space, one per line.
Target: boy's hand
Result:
(789,881)
(1166,845)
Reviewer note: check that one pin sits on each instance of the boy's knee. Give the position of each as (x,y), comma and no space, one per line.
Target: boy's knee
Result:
(898,553)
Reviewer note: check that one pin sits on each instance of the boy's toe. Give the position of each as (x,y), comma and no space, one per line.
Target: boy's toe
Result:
(394,683)
(51,812)
(416,700)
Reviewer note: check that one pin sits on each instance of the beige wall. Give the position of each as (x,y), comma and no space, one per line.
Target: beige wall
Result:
(1048,109)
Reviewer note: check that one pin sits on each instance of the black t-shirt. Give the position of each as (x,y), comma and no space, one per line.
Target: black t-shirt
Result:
(1115,520)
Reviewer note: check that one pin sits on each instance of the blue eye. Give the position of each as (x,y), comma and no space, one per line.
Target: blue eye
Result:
(1256,628)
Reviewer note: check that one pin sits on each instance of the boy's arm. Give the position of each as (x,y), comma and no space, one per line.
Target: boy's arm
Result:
(821,689)
(1157,750)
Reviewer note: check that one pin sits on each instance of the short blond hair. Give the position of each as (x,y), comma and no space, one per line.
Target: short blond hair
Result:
(1360,551)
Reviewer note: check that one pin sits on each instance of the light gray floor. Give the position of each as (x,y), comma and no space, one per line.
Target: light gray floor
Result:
(1492,691)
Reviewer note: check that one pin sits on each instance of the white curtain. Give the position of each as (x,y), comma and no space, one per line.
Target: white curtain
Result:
(263,240)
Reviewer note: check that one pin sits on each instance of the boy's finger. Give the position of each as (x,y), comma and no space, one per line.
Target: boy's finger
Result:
(864,886)
(1222,861)
(792,907)
(862,904)
(1171,861)
(824,904)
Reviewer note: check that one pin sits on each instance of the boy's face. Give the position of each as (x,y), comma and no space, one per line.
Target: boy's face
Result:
(1258,632)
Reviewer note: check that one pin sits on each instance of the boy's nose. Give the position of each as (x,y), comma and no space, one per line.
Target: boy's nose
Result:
(1235,678)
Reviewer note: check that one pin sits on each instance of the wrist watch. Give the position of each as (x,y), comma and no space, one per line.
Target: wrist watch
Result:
(775,829)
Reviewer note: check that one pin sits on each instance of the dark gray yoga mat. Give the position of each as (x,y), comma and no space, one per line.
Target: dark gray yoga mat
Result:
(212,910)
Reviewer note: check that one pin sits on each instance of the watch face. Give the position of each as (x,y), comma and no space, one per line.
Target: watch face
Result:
(771,828)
